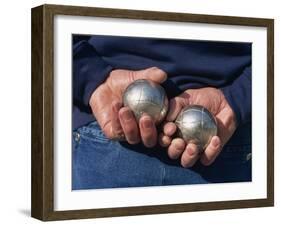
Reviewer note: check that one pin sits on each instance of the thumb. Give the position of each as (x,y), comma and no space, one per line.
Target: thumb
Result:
(153,73)
(175,106)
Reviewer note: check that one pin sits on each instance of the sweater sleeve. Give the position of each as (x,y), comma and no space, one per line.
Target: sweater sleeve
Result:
(239,96)
(89,71)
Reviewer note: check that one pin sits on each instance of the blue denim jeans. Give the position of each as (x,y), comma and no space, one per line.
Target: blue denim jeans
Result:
(98,162)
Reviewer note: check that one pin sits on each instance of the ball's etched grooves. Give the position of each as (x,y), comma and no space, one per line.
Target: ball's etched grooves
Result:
(196,125)
(145,96)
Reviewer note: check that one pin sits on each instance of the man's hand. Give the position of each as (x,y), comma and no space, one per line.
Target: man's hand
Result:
(117,121)
(212,99)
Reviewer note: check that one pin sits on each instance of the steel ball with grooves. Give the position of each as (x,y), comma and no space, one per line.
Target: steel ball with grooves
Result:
(196,125)
(145,96)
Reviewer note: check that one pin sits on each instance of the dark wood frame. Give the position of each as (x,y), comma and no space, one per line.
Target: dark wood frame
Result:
(42,203)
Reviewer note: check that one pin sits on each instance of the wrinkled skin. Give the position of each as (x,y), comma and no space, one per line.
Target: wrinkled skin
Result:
(212,99)
(117,121)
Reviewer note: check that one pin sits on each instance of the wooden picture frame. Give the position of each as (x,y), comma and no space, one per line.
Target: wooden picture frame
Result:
(43,111)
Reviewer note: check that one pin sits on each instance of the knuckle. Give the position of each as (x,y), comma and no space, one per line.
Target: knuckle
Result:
(131,76)
(154,68)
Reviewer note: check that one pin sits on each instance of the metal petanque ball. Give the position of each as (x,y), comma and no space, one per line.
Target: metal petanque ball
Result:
(145,96)
(196,125)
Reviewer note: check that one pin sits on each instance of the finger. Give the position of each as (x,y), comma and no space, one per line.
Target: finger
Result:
(164,140)
(148,131)
(211,152)
(116,128)
(176,148)
(153,73)
(129,125)
(169,129)
(190,155)
(175,106)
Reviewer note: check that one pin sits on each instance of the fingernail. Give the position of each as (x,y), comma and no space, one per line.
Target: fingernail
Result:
(191,151)
(216,142)
(127,115)
(147,124)
(166,140)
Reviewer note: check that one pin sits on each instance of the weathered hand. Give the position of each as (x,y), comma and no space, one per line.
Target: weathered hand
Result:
(212,99)
(117,121)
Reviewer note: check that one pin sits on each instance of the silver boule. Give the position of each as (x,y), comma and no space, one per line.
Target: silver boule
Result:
(145,96)
(196,125)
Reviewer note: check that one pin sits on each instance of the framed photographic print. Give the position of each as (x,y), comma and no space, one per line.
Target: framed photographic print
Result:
(142,112)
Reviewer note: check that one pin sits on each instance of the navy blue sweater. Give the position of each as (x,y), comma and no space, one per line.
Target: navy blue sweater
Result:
(188,64)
